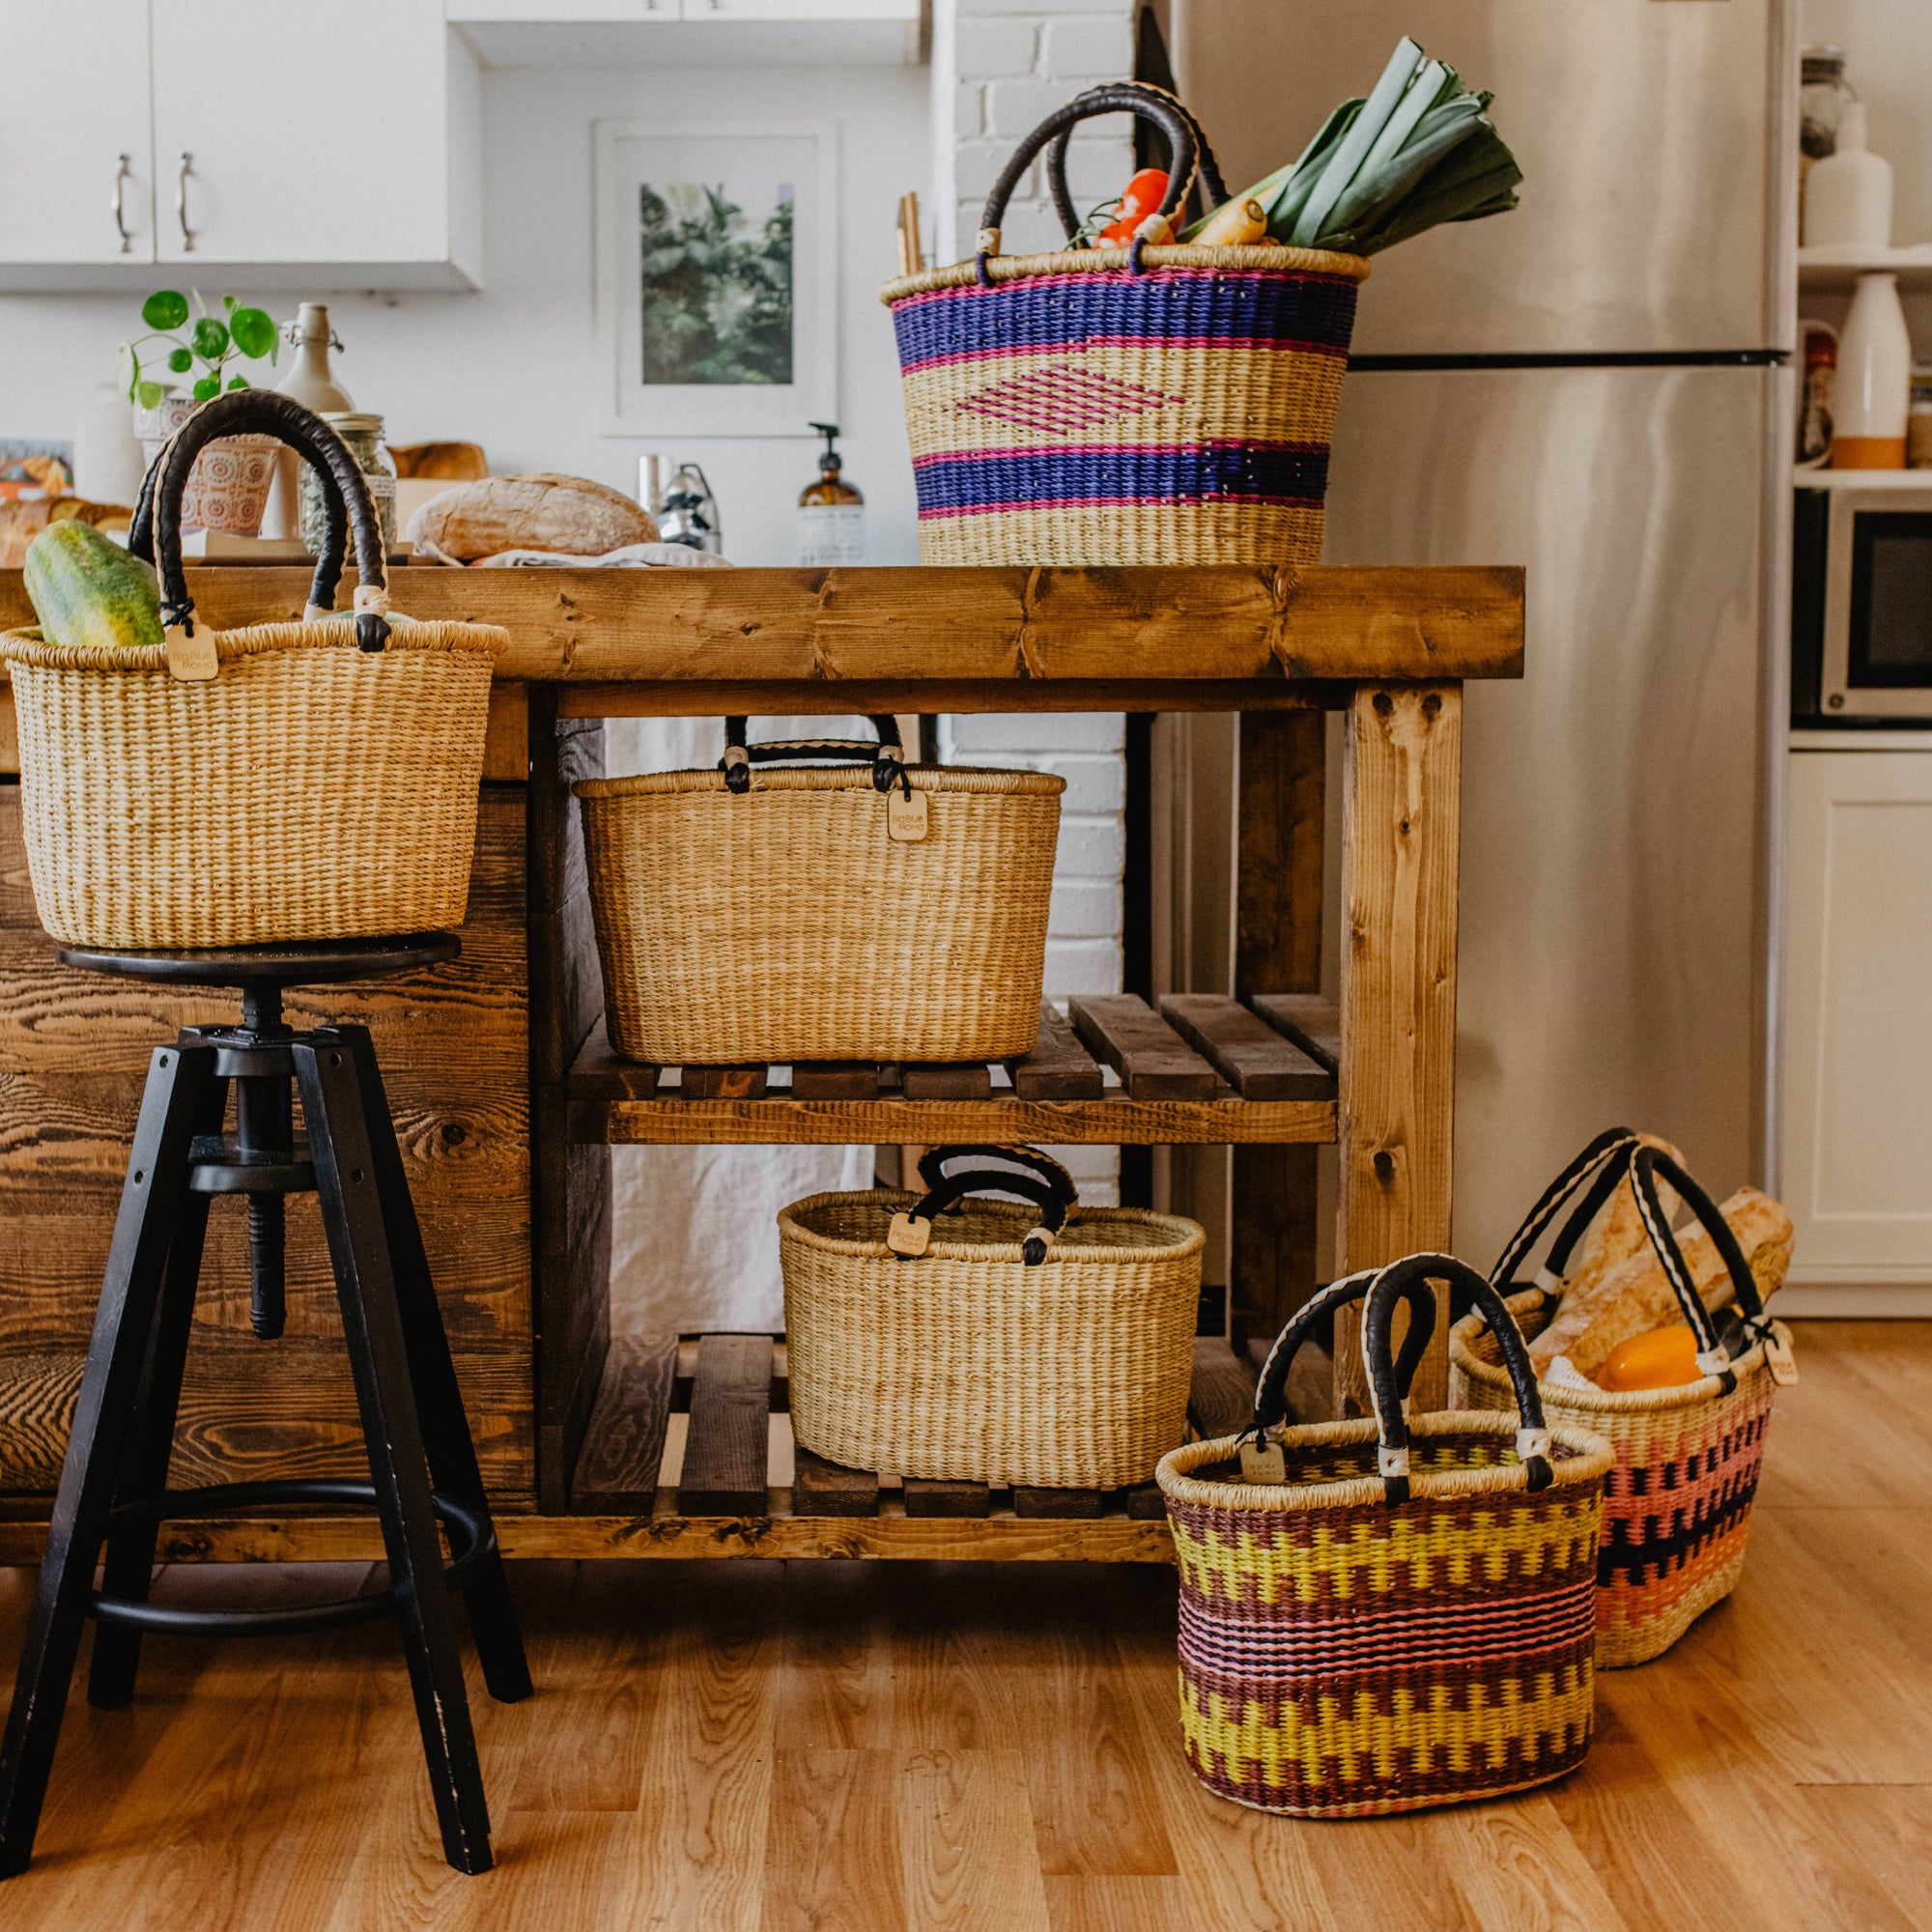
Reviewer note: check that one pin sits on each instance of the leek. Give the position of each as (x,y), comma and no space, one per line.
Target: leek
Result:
(1388,94)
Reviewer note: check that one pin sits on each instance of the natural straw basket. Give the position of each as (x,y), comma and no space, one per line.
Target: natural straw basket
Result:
(891,913)
(1382,1614)
(1677,1506)
(321,786)
(984,1342)
(1106,406)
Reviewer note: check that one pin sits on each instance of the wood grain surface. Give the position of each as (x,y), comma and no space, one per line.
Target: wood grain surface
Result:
(906,1747)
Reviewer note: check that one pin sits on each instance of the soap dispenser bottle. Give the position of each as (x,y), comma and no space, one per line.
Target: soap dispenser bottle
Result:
(830,512)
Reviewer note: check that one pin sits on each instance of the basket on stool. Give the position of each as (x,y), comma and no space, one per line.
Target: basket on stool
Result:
(1106,406)
(1388,1612)
(1677,1505)
(322,784)
(986,1341)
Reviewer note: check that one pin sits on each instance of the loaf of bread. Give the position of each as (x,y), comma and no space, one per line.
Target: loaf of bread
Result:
(1636,1296)
(1617,1233)
(568,513)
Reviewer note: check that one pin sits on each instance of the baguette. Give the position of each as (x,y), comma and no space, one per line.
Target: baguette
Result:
(1618,1232)
(1635,1296)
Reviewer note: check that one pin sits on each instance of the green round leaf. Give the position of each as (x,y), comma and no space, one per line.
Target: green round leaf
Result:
(149,395)
(179,361)
(210,338)
(228,302)
(254,331)
(165,308)
(238,382)
(209,385)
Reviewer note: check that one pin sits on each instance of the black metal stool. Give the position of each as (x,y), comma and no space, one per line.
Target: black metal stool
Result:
(113,1487)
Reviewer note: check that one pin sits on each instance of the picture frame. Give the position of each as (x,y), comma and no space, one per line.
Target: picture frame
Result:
(716,277)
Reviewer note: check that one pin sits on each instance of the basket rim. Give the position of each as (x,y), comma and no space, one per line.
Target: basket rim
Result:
(981,779)
(1186,1236)
(1596,1400)
(28,646)
(1113,261)
(1592,1460)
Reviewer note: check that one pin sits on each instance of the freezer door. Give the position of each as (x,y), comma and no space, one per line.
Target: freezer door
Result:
(1610,799)
(1656,139)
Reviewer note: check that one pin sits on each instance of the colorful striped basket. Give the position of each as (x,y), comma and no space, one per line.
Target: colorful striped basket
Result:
(1108,405)
(1384,1614)
(1677,1506)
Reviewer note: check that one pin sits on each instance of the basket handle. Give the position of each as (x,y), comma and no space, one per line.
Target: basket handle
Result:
(1272,1390)
(1713,1358)
(1114,98)
(1043,1181)
(1056,161)
(345,507)
(886,756)
(1598,1170)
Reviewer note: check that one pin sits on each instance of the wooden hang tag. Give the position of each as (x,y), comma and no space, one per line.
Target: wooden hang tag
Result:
(191,658)
(1783,1364)
(908,1236)
(1263,1466)
(906,817)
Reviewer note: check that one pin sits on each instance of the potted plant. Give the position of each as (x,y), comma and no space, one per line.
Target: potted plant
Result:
(228,489)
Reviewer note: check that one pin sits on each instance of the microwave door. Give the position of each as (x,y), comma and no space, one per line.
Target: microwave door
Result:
(1878,606)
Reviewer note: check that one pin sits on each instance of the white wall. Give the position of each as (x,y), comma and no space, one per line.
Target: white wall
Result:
(512,367)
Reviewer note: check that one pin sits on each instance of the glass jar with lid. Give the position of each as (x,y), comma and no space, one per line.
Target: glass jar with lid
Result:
(1822,94)
(364,434)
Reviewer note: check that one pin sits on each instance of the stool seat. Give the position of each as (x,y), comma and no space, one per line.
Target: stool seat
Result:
(320,962)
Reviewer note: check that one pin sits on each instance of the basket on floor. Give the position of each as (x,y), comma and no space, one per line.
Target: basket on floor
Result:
(1677,1506)
(876,912)
(1105,406)
(1381,1615)
(967,1340)
(320,783)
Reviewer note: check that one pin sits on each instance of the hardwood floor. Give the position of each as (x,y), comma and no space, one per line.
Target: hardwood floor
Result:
(763,1745)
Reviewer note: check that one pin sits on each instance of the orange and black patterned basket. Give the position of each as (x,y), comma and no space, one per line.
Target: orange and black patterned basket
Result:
(1677,1506)
(1382,1614)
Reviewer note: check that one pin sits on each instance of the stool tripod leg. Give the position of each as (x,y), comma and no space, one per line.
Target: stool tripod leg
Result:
(351,1216)
(153,1197)
(445,1427)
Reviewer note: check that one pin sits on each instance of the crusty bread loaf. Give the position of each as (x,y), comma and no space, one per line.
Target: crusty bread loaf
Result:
(1637,1296)
(570,514)
(1617,1233)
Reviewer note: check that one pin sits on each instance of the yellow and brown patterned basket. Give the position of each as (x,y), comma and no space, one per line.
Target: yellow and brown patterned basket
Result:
(1677,1505)
(1394,1613)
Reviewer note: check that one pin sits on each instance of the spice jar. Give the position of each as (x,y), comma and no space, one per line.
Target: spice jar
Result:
(1822,96)
(364,434)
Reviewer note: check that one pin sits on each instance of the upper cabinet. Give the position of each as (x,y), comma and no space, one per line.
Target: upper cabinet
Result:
(325,148)
(693,33)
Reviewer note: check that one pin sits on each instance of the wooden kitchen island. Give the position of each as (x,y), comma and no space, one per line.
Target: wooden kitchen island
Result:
(507,1099)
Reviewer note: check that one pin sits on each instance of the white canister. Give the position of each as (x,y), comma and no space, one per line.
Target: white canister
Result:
(1848,194)
(108,460)
(1873,388)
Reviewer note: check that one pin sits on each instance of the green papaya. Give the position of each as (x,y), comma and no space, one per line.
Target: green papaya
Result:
(86,589)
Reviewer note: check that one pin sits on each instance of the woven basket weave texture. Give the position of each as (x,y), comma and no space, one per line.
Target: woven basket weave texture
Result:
(1677,1506)
(789,924)
(1075,412)
(1341,1659)
(966,1365)
(309,791)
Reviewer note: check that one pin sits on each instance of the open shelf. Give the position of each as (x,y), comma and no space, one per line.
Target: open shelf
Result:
(1836,270)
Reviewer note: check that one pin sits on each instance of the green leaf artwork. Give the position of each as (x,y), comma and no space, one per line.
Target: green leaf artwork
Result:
(717,287)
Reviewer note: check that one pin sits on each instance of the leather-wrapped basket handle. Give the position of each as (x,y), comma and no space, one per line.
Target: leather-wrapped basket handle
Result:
(1056,161)
(1040,1180)
(346,507)
(1597,1170)
(887,757)
(1114,98)
(1713,1359)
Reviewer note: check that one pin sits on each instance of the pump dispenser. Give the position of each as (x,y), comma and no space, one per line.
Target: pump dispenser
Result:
(830,512)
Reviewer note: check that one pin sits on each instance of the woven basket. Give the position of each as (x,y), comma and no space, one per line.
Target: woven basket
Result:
(997,1343)
(778,916)
(1392,1612)
(1677,1506)
(1106,406)
(321,786)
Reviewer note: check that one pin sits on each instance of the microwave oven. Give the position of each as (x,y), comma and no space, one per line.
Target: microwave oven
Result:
(1861,607)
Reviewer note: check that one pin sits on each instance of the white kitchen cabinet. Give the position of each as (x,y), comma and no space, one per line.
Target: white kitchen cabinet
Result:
(79,177)
(297,146)
(691,33)
(1857,1032)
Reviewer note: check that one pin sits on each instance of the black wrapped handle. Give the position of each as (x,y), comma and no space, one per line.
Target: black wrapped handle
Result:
(1598,1170)
(1056,161)
(1712,1356)
(887,757)
(1040,1180)
(1114,98)
(346,506)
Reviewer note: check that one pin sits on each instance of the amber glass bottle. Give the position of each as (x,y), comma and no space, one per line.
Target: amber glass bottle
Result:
(830,512)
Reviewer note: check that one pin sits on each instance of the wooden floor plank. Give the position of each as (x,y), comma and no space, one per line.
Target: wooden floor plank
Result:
(831,1853)
(971,1864)
(725,1452)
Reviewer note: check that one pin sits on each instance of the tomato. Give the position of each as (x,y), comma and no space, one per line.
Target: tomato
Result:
(1141,197)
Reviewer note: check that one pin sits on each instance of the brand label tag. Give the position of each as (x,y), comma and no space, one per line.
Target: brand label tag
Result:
(906,819)
(1263,1466)
(1783,1364)
(191,659)
(907,1235)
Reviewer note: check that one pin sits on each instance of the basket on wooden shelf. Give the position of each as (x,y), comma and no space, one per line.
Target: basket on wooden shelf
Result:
(318,780)
(1677,1506)
(1389,1612)
(1106,406)
(876,912)
(954,1338)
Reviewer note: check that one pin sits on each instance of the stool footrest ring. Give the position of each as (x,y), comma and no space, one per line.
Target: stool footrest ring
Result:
(471,1540)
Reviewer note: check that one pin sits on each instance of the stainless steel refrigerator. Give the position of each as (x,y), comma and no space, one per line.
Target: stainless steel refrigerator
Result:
(1594,387)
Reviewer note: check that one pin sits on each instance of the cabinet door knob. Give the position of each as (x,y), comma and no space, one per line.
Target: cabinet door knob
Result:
(181,202)
(121,174)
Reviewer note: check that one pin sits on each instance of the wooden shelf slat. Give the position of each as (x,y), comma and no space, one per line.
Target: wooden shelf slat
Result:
(819,1487)
(624,1442)
(1059,1067)
(724,1451)
(1308,1019)
(1154,1062)
(1257,1061)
